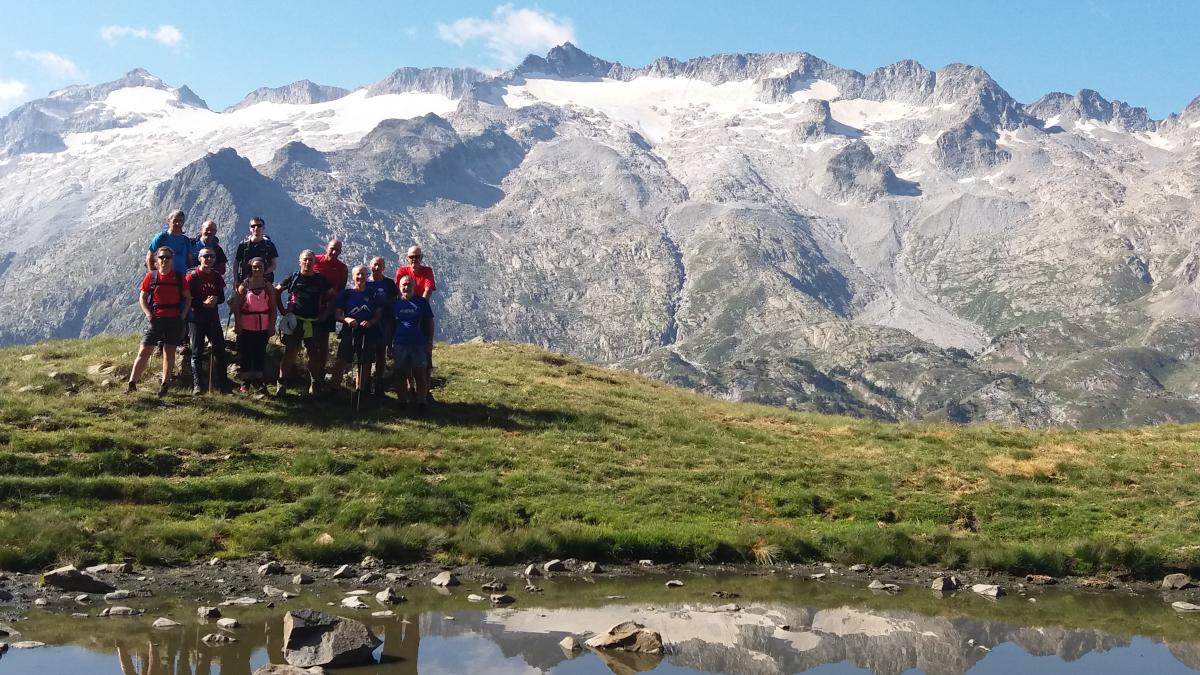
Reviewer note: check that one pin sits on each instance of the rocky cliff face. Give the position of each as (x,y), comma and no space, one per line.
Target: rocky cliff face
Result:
(904,244)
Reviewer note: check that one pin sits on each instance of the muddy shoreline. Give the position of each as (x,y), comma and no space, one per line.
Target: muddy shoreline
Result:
(21,593)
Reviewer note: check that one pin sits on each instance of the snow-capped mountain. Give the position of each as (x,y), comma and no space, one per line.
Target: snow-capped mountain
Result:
(903,243)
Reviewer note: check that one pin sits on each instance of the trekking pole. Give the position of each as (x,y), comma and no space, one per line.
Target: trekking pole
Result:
(359,339)
(212,349)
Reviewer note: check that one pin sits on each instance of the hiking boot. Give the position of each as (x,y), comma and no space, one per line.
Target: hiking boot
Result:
(130,387)
(162,388)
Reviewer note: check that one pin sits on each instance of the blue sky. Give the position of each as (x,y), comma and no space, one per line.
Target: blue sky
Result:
(1142,53)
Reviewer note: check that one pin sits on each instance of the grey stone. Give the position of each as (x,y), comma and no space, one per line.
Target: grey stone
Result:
(118,610)
(244,600)
(273,592)
(591,568)
(1176,582)
(5,596)
(570,645)
(555,565)
(370,577)
(70,579)
(27,644)
(302,579)
(353,602)
(371,563)
(118,595)
(312,638)
(208,612)
(502,599)
(383,614)
(877,585)
(859,568)
(475,597)
(945,584)
(40,602)
(271,568)
(83,598)
(343,572)
(1183,606)
(628,636)
(388,596)
(218,639)
(989,590)
(444,580)
(284,669)
(7,631)
(532,571)
(163,622)
(228,623)
(674,583)
(494,585)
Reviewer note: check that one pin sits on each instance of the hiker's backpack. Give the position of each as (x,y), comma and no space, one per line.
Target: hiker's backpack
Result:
(154,287)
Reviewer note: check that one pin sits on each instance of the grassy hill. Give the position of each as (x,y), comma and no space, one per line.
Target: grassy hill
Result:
(531,454)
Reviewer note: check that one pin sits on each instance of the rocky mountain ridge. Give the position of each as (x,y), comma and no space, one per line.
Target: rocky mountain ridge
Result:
(903,244)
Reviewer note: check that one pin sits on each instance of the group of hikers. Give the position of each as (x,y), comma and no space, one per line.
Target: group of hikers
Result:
(378,317)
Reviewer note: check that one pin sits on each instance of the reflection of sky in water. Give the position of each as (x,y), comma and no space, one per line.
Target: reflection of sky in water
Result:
(1141,656)
(452,656)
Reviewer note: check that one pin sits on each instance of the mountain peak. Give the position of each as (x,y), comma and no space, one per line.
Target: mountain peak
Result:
(566,60)
(301,92)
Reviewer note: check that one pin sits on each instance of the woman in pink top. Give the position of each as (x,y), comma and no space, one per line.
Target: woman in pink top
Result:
(254,313)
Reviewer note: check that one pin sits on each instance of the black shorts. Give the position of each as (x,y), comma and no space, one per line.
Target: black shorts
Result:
(348,342)
(319,339)
(167,330)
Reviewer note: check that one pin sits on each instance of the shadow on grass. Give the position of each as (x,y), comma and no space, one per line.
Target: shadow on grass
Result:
(330,413)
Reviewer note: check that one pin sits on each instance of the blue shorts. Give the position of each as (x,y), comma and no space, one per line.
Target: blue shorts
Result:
(410,356)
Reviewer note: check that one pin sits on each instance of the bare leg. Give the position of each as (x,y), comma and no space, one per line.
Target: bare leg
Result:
(421,376)
(139,363)
(168,361)
(287,363)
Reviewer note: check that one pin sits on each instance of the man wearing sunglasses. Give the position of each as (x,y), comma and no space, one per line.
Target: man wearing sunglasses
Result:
(204,323)
(257,245)
(165,300)
(423,287)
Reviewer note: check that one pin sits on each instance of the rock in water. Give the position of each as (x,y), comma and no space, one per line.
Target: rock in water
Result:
(163,622)
(555,565)
(281,669)
(273,567)
(70,579)
(989,590)
(945,584)
(388,596)
(217,638)
(1176,582)
(532,571)
(353,602)
(343,572)
(312,638)
(569,644)
(674,583)
(877,585)
(444,579)
(629,636)
(228,624)
(208,612)
(590,568)
(1182,606)
(502,599)
(300,580)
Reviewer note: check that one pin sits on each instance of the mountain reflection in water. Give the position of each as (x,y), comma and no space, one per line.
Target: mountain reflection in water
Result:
(762,638)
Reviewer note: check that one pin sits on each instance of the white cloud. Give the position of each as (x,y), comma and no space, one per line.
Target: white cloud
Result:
(11,91)
(510,33)
(165,34)
(56,64)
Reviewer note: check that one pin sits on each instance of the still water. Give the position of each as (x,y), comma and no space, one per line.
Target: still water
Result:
(781,625)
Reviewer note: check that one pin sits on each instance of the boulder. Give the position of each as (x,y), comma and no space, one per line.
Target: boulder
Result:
(117,610)
(312,638)
(272,567)
(112,568)
(244,600)
(445,579)
(28,644)
(343,572)
(555,565)
(228,623)
(590,568)
(502,599)
(945,584)
(369,577)
(5,596)
(217,639)
(272,592)
(70,579)
(674,583)
(371,563)
(475,597)
(628,636)
(877,585)
(41,602)
(301,580)
(1182,606)
(494,585)
(1176,582)
(859,568)
(532,571)
(1040,579)
(989,590)
(118,595)
(7,631)
(163,622)
(569,644)
(208,612)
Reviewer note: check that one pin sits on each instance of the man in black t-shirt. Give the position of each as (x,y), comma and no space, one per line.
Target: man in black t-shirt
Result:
(257,245)
(308,300)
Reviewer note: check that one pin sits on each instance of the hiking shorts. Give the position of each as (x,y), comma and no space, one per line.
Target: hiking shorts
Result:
(348,343)
(319,338)
(410,356)
(166,330)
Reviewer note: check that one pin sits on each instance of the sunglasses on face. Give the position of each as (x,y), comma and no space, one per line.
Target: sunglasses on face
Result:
(256,225)
(207,255)
(165,257)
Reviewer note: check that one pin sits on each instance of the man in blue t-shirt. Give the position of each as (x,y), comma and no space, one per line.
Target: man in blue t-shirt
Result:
(385,292)
(174,239)
(412,342)
(358,311)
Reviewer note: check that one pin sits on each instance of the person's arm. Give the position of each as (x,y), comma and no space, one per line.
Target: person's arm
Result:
(428,326)
(431,286)
(144,301)
(235,307)
(272,306)
(221,291)
(150,261)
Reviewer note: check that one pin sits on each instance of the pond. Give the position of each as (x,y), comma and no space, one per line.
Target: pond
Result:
(774,625)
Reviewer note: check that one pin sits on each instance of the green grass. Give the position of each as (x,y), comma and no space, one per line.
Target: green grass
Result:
(531,454)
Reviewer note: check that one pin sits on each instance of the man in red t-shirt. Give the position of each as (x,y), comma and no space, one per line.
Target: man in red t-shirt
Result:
(165,300)
(424,286)
(334,270)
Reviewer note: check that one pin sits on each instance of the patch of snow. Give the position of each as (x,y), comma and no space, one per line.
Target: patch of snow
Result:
(925,140)
(1052,121)
(968,180)
(1155,140)
(141,101)
(910,175)
(861,113)
(817,90)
